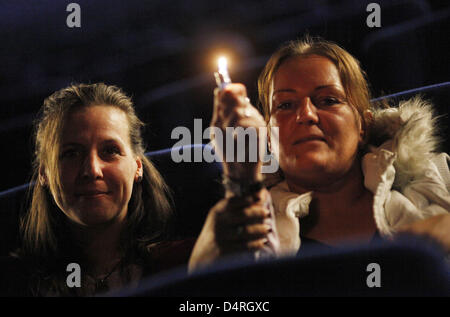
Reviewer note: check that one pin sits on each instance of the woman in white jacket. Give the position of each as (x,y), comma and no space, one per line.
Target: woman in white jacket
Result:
(347,172)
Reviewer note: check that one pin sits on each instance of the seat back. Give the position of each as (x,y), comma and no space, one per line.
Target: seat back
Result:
(405,267)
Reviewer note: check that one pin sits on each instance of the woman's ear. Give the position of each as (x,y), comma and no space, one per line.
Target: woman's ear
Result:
(364,125)
(139,170)
(368,117)
(43,180)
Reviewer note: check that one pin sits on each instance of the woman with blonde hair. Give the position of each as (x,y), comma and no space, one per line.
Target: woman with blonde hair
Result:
(349,172)
(97,200)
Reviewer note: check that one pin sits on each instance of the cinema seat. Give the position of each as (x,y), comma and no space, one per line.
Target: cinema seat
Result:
(406,267)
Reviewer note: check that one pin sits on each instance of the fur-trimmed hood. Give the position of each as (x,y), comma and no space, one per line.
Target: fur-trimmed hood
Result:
(412,130)
(408,178)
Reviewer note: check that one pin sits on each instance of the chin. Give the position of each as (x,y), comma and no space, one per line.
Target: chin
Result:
(93,221)
(308,162)
(310,169)
(96,216)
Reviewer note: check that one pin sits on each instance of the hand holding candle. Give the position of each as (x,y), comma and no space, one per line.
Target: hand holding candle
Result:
(243,221)
(232,109)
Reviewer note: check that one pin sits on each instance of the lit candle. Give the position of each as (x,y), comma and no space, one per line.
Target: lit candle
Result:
(222,77)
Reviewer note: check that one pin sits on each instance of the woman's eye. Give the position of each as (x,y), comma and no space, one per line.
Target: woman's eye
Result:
(328,101)
(284,106)
(72,153)
(112,150)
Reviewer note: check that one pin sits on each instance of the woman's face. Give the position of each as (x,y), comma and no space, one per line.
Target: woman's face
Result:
(97,165)
(318,130)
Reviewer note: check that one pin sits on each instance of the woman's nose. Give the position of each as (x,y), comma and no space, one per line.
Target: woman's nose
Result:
(306,112)
(92,167)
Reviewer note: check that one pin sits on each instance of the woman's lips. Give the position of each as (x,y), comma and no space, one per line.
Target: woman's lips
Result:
(92,194)
(309,138)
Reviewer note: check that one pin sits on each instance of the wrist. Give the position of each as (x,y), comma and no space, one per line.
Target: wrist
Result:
(237,171)
(242,187)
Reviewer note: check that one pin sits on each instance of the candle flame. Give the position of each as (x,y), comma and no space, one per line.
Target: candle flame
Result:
(222,64)
(222,77)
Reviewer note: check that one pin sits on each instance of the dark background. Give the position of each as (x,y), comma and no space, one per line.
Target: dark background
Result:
(164,54)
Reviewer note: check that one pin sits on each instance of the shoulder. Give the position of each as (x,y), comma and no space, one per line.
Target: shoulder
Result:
(403,169)
(14,276)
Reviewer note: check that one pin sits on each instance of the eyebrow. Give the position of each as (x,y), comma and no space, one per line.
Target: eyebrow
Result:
(315,89)
(70,144)
(283,90)
(107,141)
(112,141)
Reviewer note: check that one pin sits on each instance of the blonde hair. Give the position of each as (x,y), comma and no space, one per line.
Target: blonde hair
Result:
(150,205)
(353,78)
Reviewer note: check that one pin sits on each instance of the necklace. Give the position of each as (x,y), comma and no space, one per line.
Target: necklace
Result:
(101,284)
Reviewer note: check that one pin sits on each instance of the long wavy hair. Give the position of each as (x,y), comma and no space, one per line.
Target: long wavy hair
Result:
(46,243)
